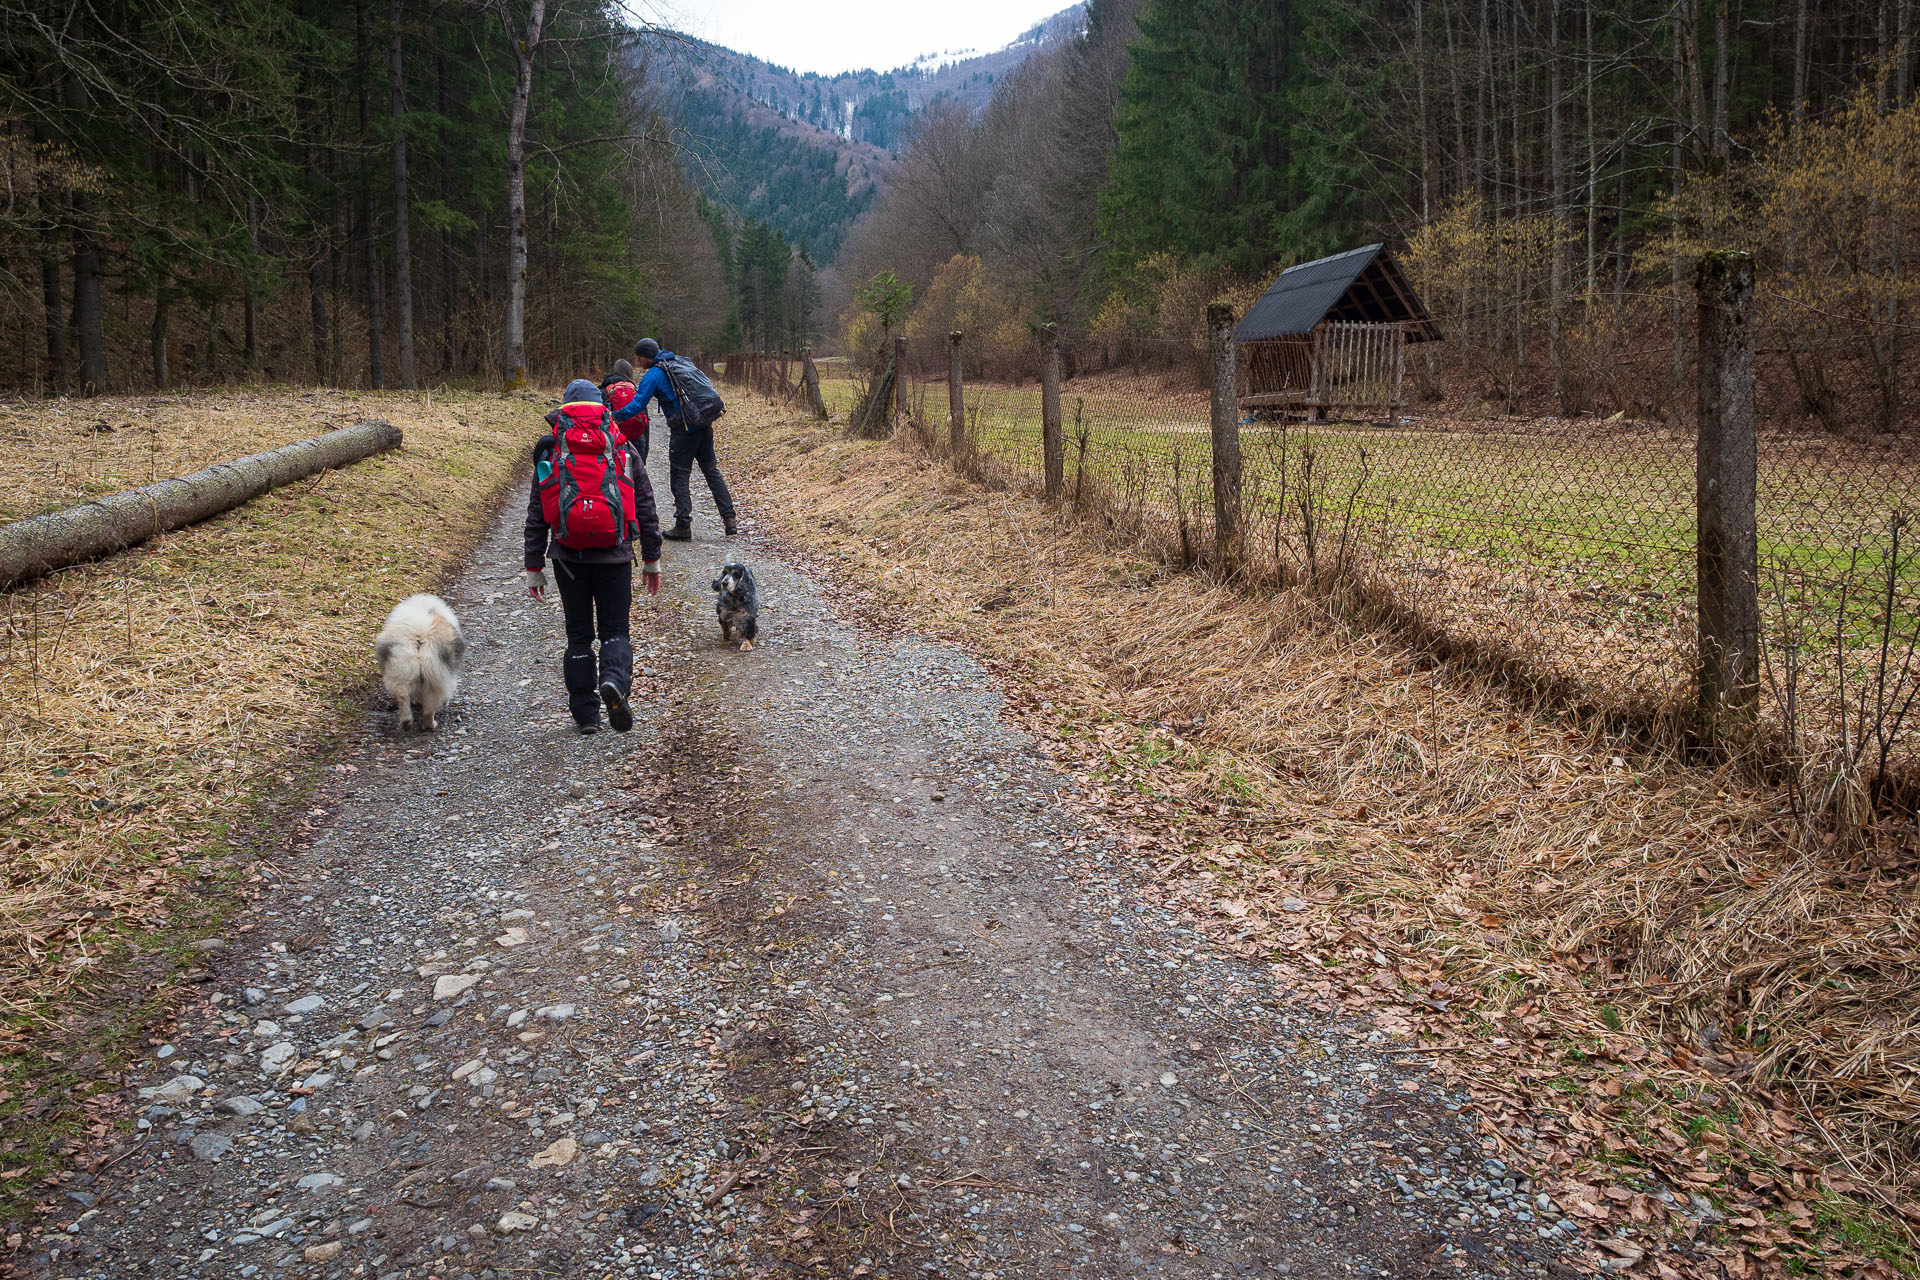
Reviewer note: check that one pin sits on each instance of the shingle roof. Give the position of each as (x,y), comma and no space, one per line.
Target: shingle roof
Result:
(1358,285)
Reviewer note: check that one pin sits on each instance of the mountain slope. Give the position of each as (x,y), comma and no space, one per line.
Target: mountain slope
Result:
(808,153)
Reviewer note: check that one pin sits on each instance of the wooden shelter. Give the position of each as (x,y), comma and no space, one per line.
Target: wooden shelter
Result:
(1331,334)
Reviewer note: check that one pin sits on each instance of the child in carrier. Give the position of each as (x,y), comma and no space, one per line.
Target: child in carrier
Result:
(589,501)
(618,388)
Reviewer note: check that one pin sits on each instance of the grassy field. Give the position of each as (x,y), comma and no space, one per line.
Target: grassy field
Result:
(1546,494)
(161,700)
(1572,539)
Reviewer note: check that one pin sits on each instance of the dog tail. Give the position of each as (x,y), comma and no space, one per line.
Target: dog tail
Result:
(439,653)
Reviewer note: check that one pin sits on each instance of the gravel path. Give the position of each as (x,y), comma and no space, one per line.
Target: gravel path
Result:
(809,974)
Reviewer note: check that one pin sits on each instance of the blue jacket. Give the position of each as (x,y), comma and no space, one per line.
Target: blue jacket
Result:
(653,384)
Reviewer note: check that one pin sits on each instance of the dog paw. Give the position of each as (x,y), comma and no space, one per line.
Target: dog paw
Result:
(746,646)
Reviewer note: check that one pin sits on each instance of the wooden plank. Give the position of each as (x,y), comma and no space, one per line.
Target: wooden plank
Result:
(1396,404)
(1316,376)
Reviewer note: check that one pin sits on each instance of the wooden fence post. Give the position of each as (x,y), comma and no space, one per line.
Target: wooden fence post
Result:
(810,378)
(1727,464)
(956,397)
(900,376)
(1052,446)
(1226,435)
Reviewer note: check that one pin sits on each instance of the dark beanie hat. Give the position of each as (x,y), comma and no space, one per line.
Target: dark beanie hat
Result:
(647,349)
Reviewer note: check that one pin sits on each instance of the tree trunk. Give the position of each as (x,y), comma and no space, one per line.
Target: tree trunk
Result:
(317,273)
(252,318)
(1620,246)
(1722,142)
(1904,53)
(30,548)
(88,309)
(1420,109)
(1695,81)
(317,288)
(52,302)
(369,241)
(1461,182)
(1883,56)
(1482,110)
(1680,76)
(52,297)
(1556,159)
(1593,174)
(157,336)
(1800,63)
(446,233)
(525,42)
(402,246)
(210,358)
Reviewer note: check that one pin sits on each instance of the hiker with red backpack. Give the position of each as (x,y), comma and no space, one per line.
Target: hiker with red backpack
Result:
(690,405)
(589,501)
(619,390)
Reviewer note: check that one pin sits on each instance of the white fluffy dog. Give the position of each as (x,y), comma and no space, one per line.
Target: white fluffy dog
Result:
(419,652)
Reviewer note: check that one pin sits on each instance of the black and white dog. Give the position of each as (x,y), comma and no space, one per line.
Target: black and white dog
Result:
(738,604)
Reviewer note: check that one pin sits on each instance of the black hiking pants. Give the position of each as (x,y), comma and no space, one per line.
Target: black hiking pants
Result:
(684,449)
(596,599)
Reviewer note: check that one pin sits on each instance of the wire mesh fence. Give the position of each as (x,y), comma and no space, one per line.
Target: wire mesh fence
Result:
(1564,549)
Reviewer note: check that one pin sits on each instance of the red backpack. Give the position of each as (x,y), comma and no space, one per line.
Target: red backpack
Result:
(586,495)
(619,395)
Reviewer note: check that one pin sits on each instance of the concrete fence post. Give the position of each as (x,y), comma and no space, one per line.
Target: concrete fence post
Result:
(1226,434)
(1052,443)
(1727,466)
(956,397)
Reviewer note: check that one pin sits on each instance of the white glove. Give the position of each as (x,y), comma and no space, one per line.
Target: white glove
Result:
(536,584)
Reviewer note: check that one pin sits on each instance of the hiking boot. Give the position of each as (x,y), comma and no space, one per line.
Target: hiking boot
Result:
(587,726)
(681,532)
(619,714)
(732,528)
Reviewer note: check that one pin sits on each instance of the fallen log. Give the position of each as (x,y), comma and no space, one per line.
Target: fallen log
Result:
(41,544)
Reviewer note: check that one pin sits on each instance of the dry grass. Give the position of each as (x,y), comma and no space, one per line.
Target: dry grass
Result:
(60,452)
(1563,550)
(1634,959)
(151,696)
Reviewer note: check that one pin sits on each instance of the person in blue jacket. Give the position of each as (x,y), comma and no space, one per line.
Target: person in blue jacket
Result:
(685,446)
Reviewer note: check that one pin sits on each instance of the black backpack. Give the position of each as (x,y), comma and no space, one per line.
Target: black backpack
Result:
(699,403)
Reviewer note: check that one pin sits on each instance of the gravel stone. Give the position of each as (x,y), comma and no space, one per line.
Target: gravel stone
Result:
(826,910)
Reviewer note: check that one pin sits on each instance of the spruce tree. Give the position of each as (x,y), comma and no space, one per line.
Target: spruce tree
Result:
(1203,158)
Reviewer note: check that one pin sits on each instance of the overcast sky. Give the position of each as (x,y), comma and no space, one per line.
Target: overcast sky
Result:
(845,35)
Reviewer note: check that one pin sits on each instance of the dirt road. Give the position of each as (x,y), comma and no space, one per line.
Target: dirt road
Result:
(810,974)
